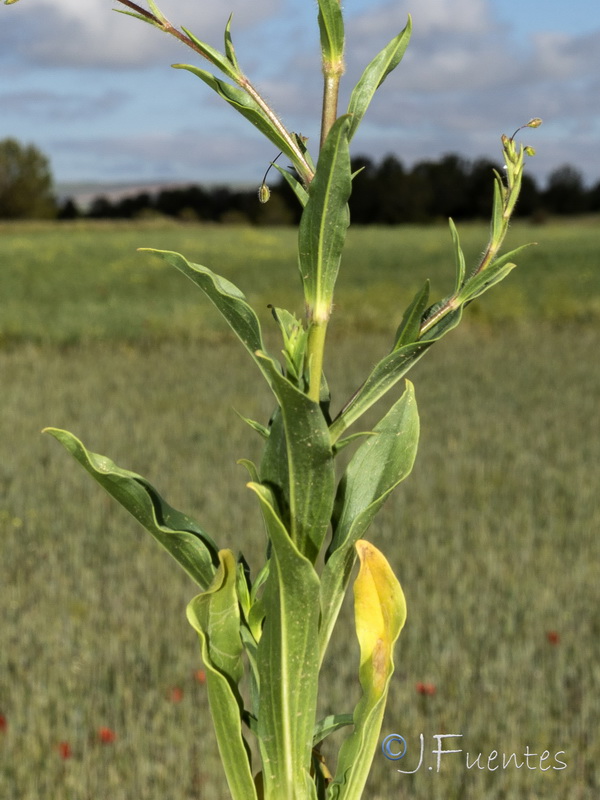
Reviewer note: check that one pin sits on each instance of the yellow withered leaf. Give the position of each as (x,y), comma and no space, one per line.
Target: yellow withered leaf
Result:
(380,613)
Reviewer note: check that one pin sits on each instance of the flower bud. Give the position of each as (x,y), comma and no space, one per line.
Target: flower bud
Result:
(533,123)
(264,193)
(530,151)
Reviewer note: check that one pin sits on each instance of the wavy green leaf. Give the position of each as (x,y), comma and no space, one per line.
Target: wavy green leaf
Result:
(375,74)
(215,616)
(225,296)
(176,532)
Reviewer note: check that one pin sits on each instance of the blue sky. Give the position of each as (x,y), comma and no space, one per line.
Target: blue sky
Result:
(94,90)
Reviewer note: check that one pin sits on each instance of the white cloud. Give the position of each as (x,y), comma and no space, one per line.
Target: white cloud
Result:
(85,32)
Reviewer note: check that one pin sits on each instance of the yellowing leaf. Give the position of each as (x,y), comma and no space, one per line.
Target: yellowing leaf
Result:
(380,613)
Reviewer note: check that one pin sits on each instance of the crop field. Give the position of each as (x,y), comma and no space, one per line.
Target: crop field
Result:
(495,535)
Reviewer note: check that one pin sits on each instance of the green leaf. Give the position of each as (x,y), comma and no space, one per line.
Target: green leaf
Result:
(246,106)
(498,221)
(324,222)
(382,378)
(382,462)
(304,487)
(380,614)
(376,468)
(288,663)
(224,63)
(447,322)
(375,74)
(256,426)
(329,725)
(393,367)
(229,49)
(294,344)
(294,184)
(215,616)
(459,258)
(490,276)
(331,28)
(227,298)
(177,533)
(410,326)
(149,20)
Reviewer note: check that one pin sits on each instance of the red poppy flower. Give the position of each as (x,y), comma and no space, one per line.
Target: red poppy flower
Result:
(3,724)
(200,676)
(106,735)
(425,688)
(64,750)
(553,637)
(176,694)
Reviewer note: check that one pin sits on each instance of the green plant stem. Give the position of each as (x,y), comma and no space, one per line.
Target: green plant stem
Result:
(315,350)
(304,170)
(331,90)
(300,162)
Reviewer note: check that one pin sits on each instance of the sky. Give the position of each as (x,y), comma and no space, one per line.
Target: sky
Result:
(95,92)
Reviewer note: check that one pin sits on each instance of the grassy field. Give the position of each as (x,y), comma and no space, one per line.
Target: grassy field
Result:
(494,536)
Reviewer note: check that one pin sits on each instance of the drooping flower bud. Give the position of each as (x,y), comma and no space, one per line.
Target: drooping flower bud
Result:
(264,193)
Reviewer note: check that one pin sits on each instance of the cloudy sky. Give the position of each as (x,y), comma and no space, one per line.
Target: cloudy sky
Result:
(94,89)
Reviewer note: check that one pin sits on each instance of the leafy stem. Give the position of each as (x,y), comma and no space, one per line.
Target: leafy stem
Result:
(229,66)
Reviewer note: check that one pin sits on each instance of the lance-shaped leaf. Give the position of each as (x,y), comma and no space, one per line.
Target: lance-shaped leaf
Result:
(394,366)
(304,484)
(382,462)
(375,74)
(294,184)
(380,613)
(243,103)
(410,326)
(227,298)
(459,258)
(225,63)
(329,725)
(331,28)
(215,616)
(489,276)
(383,377)
(288,663)
(324,222)
(177,533)
(498,224)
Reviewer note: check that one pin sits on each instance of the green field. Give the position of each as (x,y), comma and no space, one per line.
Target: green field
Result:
(494,536)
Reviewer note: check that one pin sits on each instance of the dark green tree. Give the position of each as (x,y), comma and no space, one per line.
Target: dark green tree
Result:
(25,182)
(566,193)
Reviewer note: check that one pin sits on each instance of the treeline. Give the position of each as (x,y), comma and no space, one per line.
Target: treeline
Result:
(385,193)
